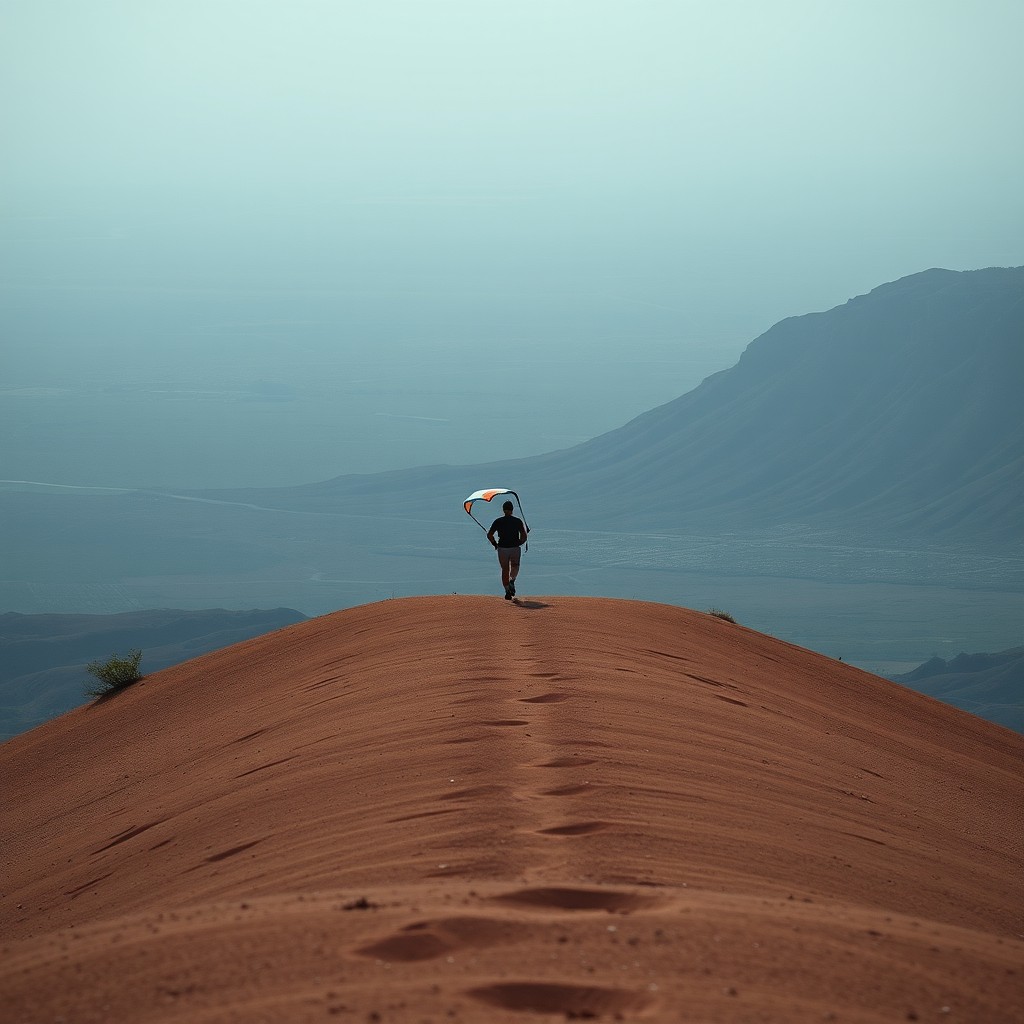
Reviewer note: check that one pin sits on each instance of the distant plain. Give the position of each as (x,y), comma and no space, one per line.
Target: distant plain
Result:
(886,611)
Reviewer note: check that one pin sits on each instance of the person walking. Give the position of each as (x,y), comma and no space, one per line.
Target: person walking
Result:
(511,535)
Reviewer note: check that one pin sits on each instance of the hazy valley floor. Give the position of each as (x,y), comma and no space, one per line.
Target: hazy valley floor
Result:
(884,609)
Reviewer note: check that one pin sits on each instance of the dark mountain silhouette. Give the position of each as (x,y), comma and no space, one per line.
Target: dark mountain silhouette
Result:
(43,657)
(897,414)
(900,408)
(988,685)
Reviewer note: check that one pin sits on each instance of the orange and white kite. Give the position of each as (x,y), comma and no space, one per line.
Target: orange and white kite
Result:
(486,494)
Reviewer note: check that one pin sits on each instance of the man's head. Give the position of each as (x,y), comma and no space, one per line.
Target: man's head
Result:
(507,507)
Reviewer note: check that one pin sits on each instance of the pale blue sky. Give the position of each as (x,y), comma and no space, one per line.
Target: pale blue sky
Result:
(718,166)
(735,126)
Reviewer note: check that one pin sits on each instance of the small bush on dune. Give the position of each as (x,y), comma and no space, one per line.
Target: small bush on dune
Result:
(719,614)
(114,674)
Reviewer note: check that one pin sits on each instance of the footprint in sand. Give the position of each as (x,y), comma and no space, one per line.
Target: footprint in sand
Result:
(558,898)
(569,1001)
(131,833)
(569,790)
(425,940)
(579,828)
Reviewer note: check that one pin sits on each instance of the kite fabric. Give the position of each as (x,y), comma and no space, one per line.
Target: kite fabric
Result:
(485,494)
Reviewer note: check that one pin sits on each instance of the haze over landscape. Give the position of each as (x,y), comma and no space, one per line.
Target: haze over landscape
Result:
(731,295)
(264,246)
(289,241)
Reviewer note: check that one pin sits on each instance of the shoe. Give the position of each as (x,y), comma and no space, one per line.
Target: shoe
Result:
(512,587)
(509,592)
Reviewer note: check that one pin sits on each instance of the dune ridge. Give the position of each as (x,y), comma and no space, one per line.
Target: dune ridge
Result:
(454,808)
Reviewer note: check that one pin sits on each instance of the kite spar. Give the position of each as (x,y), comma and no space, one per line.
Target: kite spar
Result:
(485,495)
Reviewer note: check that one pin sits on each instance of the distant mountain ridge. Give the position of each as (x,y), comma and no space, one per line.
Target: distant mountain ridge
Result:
(988,685)
(895,414)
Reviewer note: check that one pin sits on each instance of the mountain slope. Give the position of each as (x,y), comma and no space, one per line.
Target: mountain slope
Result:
(990,685)
(895,414)
(456,808)
(899,407)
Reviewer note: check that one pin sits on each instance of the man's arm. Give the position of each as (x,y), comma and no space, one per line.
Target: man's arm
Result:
(490,537)
(522,532)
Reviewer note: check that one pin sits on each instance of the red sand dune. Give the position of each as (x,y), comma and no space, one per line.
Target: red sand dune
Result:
(459,809)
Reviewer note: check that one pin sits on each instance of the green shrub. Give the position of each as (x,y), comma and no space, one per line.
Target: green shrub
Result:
(114,674)
(718,613)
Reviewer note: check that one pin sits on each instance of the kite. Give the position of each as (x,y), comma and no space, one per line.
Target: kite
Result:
(485,495)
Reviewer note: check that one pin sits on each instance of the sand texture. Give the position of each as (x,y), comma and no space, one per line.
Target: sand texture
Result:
(462,809)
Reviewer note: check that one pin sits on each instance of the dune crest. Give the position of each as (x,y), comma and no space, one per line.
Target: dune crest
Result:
(453,808)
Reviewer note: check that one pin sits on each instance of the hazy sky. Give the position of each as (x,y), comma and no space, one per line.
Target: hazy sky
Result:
(716,166)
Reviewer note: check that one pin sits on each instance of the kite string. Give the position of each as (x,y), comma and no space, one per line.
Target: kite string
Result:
(477,521)
(526,525)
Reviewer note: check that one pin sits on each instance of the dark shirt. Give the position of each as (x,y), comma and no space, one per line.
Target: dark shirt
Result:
(509,529)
